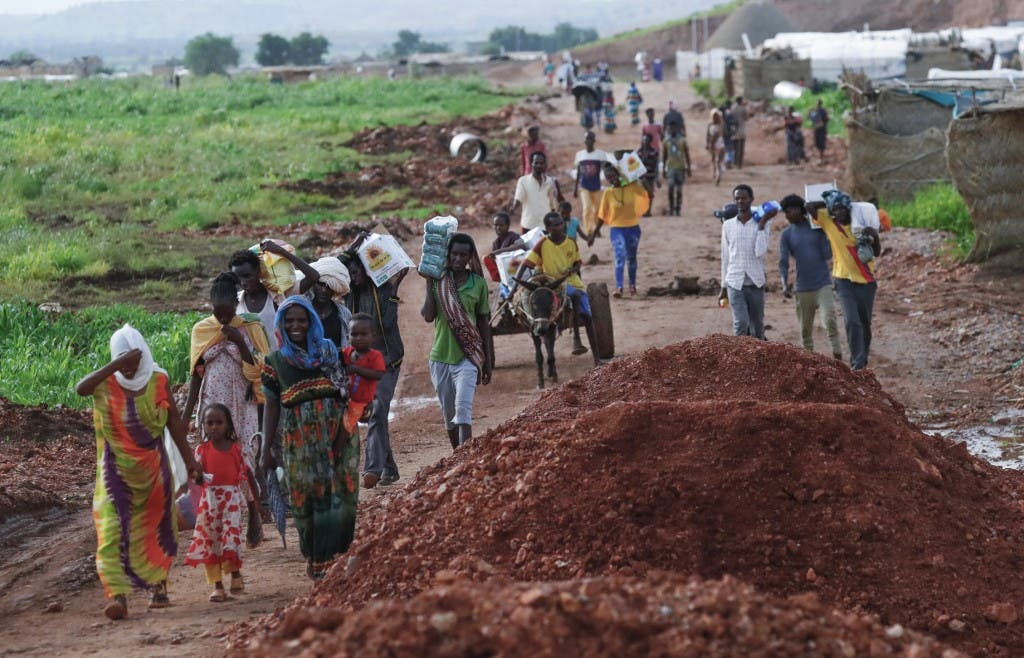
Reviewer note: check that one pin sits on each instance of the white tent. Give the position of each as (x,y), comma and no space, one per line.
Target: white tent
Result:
(880,55)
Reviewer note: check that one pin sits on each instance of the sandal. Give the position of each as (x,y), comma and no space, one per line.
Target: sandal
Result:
(632,290)
(617,293)
(159,598)
(579,349)
(218,595)
(117,608)
(237,583)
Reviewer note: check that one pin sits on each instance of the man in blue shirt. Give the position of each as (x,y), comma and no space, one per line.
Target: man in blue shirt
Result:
(810,248)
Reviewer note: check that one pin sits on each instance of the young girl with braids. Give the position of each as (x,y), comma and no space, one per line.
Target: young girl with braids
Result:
(217,539)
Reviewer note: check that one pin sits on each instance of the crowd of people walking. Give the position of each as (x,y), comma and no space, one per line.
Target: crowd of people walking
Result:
(280,380)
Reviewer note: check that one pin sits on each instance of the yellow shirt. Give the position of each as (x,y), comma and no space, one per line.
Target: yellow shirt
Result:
(621,207)
(845,263)
(554,259)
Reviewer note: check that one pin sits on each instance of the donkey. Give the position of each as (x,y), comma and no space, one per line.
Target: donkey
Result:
(539,306)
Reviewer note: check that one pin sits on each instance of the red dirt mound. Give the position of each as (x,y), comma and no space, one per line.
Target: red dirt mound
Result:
(714,367)
(611,616)
(782,469)
(47,457)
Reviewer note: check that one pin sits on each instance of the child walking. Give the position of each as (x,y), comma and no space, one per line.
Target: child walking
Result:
(365,367)
(217,540)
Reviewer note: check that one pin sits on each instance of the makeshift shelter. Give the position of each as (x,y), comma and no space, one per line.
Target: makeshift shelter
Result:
(756,77)
(985,149)
(758,20)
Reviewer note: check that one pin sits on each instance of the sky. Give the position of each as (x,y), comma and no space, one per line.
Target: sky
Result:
(35,6)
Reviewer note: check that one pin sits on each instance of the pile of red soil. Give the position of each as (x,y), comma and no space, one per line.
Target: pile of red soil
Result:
(714,368)
(432,139)
(733,457)
(611,616)
(47,458)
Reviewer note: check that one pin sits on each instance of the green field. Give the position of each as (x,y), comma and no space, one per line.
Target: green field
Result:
(938,207)
(99,178)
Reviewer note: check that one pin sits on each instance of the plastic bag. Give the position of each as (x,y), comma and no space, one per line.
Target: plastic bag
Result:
(276,272)
(630,167)
(436,233)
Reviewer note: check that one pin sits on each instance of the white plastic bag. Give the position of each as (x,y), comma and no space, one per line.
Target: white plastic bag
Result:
(179,473)
(383,258)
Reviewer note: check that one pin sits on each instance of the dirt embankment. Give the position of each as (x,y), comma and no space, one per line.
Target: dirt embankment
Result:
(921,15)
(47,458)
(720,456)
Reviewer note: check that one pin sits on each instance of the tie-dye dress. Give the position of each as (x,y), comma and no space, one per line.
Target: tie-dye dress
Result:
(133,502)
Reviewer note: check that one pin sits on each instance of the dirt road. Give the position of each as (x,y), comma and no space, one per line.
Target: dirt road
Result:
(50,562)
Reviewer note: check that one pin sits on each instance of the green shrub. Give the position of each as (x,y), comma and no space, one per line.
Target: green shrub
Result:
(938,207)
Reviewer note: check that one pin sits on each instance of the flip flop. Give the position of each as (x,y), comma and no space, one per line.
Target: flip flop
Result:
(617,293)
(117,608)
(579,349)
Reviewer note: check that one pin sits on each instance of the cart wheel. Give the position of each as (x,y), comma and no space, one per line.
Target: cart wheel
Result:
(601,309)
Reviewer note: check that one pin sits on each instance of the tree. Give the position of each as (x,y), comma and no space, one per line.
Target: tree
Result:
(273,50)
(209,53)
(407,44)
(515,37)
(410,42)
(307,49)
(22,58)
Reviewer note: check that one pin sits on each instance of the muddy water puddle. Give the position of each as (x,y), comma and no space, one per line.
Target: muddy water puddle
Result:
(999,441)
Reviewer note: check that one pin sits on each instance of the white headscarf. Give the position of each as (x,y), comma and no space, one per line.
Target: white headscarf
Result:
(128,338)
(334,274)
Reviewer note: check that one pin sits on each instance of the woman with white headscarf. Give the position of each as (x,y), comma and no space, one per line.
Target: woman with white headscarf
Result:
(134,496)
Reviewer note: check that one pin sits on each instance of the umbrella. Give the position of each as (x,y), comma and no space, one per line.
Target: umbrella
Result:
(278,506)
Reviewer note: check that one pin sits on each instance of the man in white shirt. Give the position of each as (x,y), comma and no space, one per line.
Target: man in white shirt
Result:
(536,193)
(744,244)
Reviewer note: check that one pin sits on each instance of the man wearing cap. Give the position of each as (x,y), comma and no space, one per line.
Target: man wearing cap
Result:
(536,193)
(744,244)
(854,279)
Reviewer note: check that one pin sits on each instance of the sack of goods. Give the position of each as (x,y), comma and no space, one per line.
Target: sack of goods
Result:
(436,233)
(383,258)
(276,272)
(630,167)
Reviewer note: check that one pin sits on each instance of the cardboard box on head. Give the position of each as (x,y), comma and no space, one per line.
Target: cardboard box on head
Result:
(383,258)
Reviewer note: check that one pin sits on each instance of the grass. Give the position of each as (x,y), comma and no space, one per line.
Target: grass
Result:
(45,354)
(938,207)
(100,176)
(717,10)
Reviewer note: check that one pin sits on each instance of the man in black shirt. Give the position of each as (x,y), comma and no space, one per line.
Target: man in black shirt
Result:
(380,303)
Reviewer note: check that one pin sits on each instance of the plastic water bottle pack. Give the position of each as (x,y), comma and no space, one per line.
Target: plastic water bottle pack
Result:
(436,233)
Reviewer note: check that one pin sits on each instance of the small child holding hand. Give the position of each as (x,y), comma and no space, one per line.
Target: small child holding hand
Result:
(217,539)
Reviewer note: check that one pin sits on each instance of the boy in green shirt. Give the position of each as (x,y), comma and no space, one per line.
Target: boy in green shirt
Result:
(462,353)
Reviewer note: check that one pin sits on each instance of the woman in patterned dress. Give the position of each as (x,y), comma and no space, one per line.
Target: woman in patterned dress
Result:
(133,500)
(305,385)
(226,350)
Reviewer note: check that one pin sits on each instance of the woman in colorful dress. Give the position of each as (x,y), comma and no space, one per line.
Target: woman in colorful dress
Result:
(134,497)
(225,354)
(306,391)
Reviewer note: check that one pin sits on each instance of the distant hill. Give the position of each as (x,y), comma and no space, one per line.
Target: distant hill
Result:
(152,30)
(921,15)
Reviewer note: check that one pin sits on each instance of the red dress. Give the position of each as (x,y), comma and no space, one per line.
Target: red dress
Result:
(218,534)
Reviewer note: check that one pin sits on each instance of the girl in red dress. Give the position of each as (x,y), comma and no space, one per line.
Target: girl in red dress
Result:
(217,540)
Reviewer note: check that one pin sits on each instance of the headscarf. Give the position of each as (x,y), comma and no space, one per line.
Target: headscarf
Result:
(128,338)
(835,199)
(318,353)
(333,273)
